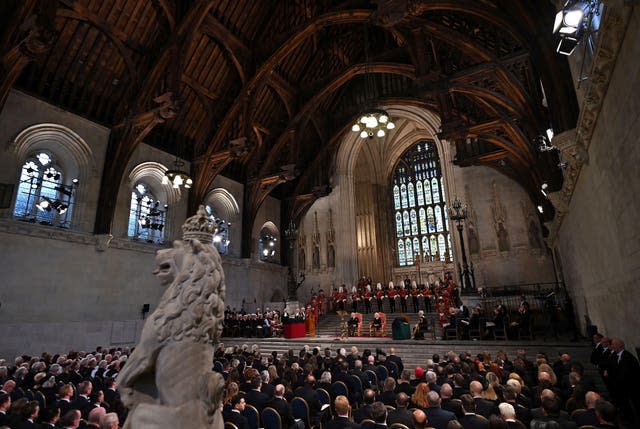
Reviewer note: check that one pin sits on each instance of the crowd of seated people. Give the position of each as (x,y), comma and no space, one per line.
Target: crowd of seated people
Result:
(340,388)
(350,389)
(73,390)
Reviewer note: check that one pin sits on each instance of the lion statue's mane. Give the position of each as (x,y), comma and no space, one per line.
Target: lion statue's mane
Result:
(168,380)
(193,305)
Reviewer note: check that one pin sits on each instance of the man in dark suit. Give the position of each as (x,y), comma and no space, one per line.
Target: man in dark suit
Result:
(588,416)
(447,403)
(379,414)
(401,414)
(28,415)
(483,407)
(625,378)
(522,413)
(469,419)
(365,411)
(341,421)
(82,402)
(436,416)
(307,392)
(49,417)
(404,384)
(508,414)
(5,404)
(254,396)
(283,408)
(395,359)
(235,416)
(267,388)
(551,408)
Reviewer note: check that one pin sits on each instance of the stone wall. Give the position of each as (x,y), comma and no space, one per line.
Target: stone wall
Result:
(599,239)
(66,288)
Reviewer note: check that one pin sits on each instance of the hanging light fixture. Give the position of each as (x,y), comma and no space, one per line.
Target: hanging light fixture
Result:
(372,122)
(177,177)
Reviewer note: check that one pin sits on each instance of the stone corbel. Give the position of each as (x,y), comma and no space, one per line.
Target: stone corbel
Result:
(102,242)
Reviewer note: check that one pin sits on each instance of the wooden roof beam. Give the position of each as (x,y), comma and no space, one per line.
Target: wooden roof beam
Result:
(344,17)
(239,52)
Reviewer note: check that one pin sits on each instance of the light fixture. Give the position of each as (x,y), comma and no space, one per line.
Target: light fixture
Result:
(372,122)
(540,209)
(44,204)
(177,177)
(60,207)
(572,21)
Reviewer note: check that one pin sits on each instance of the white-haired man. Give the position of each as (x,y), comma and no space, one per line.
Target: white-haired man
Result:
(508,414)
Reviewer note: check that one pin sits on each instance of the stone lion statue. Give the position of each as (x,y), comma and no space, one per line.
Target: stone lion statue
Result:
(168,379)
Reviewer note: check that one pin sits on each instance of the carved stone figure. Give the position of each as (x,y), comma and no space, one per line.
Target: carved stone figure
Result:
(167,381)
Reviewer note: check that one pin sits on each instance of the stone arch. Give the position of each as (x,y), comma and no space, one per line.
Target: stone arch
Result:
(224,203)
(152,173)
(73,155)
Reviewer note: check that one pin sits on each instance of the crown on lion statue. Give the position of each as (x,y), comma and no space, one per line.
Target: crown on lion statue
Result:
(199,226)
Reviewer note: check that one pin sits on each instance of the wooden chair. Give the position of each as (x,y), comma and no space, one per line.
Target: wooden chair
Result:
(367,424)
(398,426)
(359,330)
(450,331)
(390,407)
(323,396)
(39,396)
(382,372)
(384,324)
(271,419)
(393,369)
(339,388)
(577,411)
(229,425)
(373,379)
(253,417)
(476,332)
(300,410)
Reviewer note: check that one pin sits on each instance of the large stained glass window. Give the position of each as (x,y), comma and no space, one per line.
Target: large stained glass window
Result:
(418,182)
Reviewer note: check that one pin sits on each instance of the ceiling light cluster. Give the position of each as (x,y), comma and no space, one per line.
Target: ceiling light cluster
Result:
(177,177)
(373,122)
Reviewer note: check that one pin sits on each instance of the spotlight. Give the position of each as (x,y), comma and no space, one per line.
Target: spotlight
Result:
(563,164)
(572,21)
(60,207)
(540,209)
(44,204)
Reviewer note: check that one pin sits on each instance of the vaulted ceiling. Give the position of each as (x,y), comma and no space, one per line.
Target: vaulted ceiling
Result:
(262,90)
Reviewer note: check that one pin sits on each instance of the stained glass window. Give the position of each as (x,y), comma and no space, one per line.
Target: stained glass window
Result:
(418,182)
(412,197)
(414,223)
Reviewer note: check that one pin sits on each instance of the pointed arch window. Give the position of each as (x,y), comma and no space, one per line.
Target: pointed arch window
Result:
(419,182)
(412,198)
(396,197)
(414,222)
(398,224)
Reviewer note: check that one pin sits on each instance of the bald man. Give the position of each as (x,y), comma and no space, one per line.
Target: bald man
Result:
(437,417)
(419,419)
(625,378)
(588,416)
(483,407)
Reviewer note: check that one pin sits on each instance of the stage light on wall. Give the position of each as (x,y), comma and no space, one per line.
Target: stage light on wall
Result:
(44,204)
(572,22)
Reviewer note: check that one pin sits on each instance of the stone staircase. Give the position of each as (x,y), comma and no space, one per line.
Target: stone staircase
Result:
(415,353)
